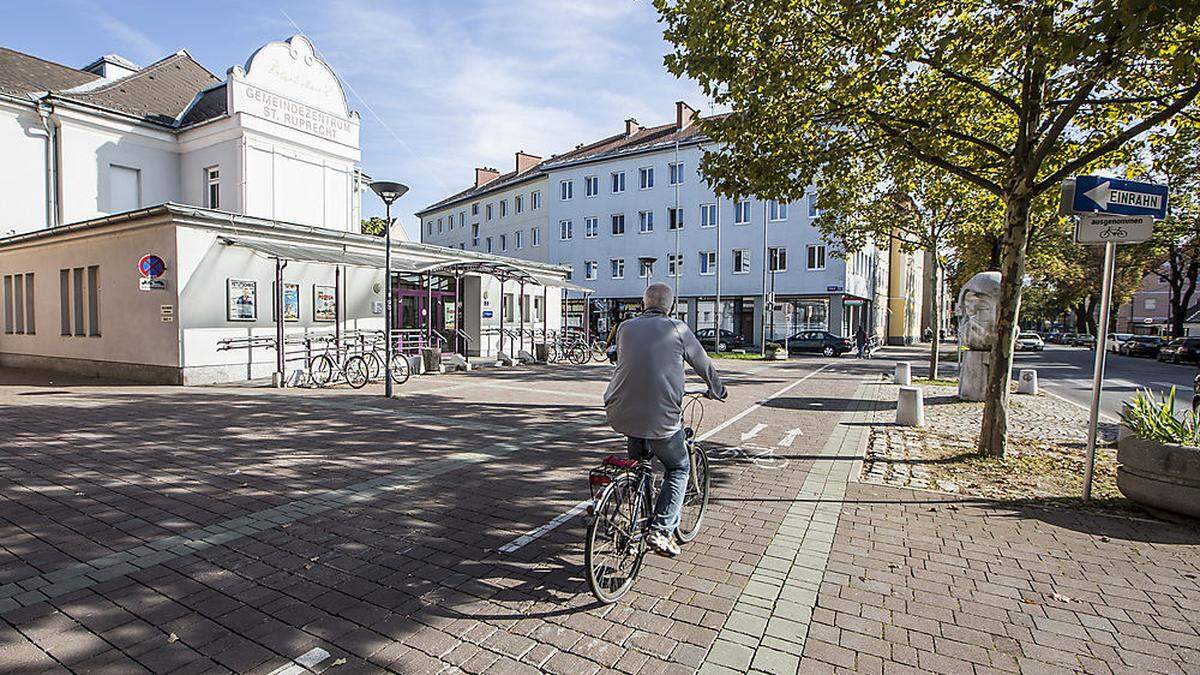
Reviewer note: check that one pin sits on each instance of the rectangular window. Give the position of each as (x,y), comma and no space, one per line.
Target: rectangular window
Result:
(675,171)
(566,230)
(64,302)
(1151,304)
(504,242)
(618,181)
(591,227)
(93,300)
(462,218)
(591,186)
(79,301)
(776,211)
(18,304)
(618,224)
(816,256)
(429,227)
(675,219)
(439,225)
(488,244)
(645,221)
(617,267)
(475,209)
(645,269)
(646,177)
(566,190)
(535,236)
(212,187)
(474,234)
(535,200)
(518,239)
(741,213)
(708,215)
(487,210)
(503,208)
(813,211)
(674,264)
(741,261)
(708,263)
(778,257)
(518,203)
(589,269)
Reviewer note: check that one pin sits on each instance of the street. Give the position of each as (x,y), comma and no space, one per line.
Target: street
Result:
(1067,372)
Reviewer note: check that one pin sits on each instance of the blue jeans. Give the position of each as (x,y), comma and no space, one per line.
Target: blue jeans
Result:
(672,452)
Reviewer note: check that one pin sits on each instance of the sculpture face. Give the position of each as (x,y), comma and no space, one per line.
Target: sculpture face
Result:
(978,302)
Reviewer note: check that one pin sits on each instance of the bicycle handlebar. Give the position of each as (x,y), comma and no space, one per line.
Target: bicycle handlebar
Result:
(701,392)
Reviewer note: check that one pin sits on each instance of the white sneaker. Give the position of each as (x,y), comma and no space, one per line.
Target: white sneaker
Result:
(663,544)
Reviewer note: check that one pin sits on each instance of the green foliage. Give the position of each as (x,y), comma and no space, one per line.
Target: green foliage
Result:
(1155,420)
(374,225)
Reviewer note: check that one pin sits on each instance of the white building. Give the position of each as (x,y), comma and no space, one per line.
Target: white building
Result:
(241,195)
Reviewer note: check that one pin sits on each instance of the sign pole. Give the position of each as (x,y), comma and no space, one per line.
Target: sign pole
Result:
(1098,370)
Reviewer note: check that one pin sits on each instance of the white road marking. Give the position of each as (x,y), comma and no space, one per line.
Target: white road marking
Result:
(753,432)
(1103,415)
(721,427)
(601,441)
(790,438)
(544,529)
(303,663)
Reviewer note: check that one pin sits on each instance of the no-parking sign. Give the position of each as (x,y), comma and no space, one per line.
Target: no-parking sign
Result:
(151,266)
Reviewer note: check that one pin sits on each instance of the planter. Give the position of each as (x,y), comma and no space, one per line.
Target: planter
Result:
(1159,475)
(777,355)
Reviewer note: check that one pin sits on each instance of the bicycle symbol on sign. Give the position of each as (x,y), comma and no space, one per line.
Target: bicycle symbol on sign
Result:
(1113,232)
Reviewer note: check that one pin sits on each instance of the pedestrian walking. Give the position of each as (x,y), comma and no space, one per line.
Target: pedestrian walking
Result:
(860,339)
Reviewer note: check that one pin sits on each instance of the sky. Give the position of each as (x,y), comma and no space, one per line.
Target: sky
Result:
(441,86)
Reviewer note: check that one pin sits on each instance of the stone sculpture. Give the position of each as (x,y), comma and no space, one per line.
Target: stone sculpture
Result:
(978,304)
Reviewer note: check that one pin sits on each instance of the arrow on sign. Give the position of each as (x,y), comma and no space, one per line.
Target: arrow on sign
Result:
(1099,194)
(790,438)
(753,432)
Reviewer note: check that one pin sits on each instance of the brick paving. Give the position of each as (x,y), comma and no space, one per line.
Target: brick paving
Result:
(238,530)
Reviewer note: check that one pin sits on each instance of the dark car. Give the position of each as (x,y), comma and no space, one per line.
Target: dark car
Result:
(729,339)
(1180,350)
(1142,345)
(820,341)
(1056,337)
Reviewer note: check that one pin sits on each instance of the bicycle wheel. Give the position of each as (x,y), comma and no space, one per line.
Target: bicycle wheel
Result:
(399,369)
(552,352)
(356,372)
(616,542)
(374,365)
(321,370)
(695,499)
(579,354)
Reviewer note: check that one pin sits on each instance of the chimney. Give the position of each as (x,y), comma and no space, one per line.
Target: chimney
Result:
(684,115)
(526,161)
(485,175)
(631,127)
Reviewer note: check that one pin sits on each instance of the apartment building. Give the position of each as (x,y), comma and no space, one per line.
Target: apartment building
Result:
(633,208)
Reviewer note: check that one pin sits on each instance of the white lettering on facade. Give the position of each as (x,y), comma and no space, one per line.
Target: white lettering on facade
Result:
(297,115)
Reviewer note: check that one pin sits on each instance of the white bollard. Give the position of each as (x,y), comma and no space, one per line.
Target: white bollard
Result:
(910,407)
(1028,382)
(903,374)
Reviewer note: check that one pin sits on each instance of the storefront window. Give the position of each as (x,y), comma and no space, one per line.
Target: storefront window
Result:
(810,315)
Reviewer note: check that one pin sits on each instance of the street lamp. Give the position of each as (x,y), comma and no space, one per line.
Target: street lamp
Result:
(389,192)
(647,263)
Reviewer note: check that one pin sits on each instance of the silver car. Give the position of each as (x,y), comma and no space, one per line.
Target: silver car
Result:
(1029,342)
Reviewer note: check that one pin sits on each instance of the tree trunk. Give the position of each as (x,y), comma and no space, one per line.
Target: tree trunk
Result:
(993,434)
(934,355)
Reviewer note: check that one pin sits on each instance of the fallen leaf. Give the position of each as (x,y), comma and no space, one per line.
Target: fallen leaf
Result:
(1029,601)
(172,639)
(1061,598)
(339,662)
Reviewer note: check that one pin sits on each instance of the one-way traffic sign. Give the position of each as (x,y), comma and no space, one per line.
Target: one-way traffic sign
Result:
(1100,194)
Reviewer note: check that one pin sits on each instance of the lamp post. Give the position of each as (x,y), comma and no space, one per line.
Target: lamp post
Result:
(389,192)
(647,263)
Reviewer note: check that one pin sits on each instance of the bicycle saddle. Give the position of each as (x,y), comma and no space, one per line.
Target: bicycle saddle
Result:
(620,462)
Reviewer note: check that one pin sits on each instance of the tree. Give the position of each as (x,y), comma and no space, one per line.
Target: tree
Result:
(1009,97)
(895,197)
(1174,158)
(374,226)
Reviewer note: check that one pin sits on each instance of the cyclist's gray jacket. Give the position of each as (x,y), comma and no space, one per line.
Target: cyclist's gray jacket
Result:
(644,396)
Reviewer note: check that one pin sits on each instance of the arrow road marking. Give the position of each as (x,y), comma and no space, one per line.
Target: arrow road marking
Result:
(790,438)
(753,432)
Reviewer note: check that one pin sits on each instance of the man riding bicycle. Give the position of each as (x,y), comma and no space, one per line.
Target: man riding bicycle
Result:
(644,401)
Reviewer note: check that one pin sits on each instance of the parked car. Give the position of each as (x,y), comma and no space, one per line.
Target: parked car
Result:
(1056,337)
(1180,350)
(1115,340)
(1029,342)
(1083,340)
(729,339)
(1142,345)
(821,341)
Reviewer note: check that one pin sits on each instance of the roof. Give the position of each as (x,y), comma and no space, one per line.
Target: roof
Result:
(209,104)
(644,140)
(158,93)
(22,74)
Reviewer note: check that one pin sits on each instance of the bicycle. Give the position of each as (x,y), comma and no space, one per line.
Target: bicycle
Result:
(624,495)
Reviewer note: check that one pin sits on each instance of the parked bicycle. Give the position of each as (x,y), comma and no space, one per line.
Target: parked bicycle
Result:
(624,492)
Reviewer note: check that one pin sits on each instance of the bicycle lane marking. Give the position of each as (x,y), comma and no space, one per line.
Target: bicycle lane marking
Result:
(559,520)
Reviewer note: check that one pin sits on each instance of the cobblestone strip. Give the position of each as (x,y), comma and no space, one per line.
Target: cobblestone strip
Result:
(766,630)
(42,587)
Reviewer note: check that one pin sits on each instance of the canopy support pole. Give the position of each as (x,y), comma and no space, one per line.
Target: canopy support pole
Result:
(501,315)
(279,361)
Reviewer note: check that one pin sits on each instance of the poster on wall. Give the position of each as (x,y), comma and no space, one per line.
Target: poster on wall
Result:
(241,300)
(324,303)
(291,302)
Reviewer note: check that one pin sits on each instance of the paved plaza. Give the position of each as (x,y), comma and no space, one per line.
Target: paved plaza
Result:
(249,530)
